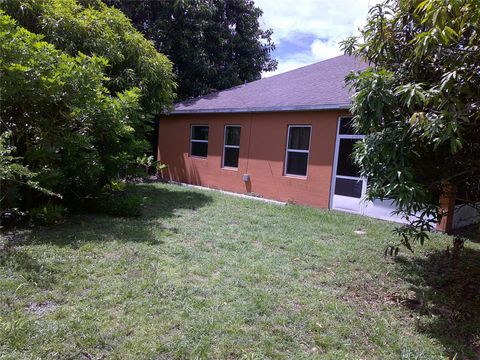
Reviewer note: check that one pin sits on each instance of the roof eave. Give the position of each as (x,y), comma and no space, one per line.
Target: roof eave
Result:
(341,106)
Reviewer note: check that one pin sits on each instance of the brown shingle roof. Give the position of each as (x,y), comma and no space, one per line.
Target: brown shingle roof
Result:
(314,87)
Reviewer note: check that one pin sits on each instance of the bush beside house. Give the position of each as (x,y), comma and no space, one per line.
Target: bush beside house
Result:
(78,91)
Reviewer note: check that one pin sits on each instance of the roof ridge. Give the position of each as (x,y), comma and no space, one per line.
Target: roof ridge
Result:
(258,80)
(303,67)
(322,82)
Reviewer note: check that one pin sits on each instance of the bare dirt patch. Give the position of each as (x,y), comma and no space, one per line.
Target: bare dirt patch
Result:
(41,309)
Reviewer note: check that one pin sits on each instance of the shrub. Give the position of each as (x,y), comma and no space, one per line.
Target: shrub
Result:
(74,128)
(14,175)
(148,165)
(47,215)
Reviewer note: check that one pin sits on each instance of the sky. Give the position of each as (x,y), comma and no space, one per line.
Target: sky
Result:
(307,31)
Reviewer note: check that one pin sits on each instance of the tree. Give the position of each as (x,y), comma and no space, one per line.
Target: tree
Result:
(92,28)
(70,133)
(418,104)
(12,171)
(214,44)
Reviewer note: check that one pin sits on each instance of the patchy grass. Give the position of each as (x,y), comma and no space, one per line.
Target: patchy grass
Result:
(204,275)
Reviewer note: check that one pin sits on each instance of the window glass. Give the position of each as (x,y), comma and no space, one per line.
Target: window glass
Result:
(231,157)
(199,132)
(345,165)
(348,187)
(199,149)
(297,163)
(346,127)
(232,135)
(299,138)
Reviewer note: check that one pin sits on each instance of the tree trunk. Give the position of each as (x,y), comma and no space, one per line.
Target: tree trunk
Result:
(447,207)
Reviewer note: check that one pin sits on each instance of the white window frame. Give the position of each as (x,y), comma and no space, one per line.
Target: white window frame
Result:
(338,139)
(192,140)
(298,151)
(230,146)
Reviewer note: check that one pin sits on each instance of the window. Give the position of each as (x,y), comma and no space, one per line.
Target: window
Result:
(346,127)
(348,181)
(298,146)
(345,163)
(348,187)
(231,147)
(199,141)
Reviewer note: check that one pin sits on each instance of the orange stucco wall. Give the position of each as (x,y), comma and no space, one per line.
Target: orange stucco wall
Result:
(262,154)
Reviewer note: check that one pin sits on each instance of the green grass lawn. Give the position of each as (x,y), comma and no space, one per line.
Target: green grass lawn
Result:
(205,275)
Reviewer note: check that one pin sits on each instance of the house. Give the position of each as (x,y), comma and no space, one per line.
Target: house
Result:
(286,137)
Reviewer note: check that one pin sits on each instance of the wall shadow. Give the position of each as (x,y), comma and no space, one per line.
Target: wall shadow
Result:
(180,171)
(449,294)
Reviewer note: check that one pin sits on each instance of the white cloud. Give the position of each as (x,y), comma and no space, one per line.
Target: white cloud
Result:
(325,49)
(325,21)
(319,50)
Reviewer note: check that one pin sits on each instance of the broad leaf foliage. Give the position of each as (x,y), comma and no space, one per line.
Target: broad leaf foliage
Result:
(77,87)
(418,104)
(214,45)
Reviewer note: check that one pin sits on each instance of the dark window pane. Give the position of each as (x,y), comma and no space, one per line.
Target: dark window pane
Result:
(346,166)
(231,157)
(199,149)
(199,132)
(297,163)
(346,126)
(232,135)
(299,138)
(347,187)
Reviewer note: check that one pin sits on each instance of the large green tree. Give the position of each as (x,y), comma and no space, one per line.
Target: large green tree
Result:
(93,28)
(419,105)
(213,44)
(77,91)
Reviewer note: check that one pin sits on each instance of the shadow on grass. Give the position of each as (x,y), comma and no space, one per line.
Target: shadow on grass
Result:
(450,296)
(79,230)
(160,204)
(29,268)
